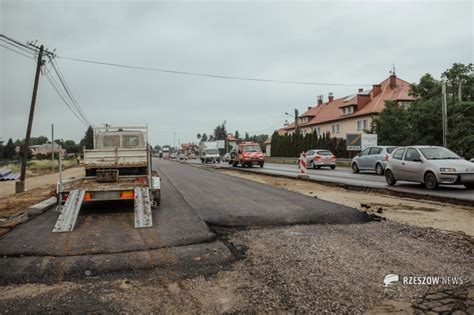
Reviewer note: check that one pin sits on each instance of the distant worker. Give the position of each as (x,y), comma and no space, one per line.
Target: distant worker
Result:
(78,159)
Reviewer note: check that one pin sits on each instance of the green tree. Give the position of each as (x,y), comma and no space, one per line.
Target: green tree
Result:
(71,147)
(198,136)
(424,122)
(204,137)
(220,132)
(427,88)
(392,126)
(237,134)
(460,75)
(461,132)
(9,150)
(88,140)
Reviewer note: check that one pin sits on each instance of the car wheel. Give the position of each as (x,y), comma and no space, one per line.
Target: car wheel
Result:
(318,167)
(469,186)
(333,167)
(430,181)
(311,164)
(261,165)
(379,169)
(355,168)
(389,178)
(235,164)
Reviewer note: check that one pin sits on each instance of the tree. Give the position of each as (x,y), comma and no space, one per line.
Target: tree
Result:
(460,74)
(220,132)
(9,150)
(204,137)
(392,126)
(461,135)
(71,147)
(237,134)
(247,137)
(427,88)
(88,140)
(198,136)
(424,122)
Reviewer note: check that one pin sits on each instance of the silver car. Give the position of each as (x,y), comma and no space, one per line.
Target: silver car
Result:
(372,159)
(317,158)
(429,165)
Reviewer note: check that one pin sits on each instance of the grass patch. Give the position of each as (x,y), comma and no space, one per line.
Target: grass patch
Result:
(39,167)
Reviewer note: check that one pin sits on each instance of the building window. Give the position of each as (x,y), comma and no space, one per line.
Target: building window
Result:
(362,124)
(335,128)
(318,131)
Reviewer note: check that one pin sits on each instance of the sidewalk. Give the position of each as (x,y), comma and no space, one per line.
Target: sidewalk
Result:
(7,188)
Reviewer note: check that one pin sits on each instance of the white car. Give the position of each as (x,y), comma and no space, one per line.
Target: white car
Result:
(429,165)
(317,158)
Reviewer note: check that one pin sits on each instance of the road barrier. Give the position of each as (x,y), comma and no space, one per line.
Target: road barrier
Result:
(302,164)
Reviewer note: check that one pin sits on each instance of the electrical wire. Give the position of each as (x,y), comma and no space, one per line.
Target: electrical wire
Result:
(53,83)
(207,75)
(11,49)
(67,89)
(18,43)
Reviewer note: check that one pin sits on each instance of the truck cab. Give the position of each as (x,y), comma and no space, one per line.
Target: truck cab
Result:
(247,154)
(209,152)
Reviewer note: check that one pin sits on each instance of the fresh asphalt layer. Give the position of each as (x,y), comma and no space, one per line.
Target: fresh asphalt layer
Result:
(105,240)
(225,200)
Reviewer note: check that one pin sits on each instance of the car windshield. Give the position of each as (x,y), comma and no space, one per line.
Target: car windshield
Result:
(324,153)
(439,154)
(251,148)
(212,151)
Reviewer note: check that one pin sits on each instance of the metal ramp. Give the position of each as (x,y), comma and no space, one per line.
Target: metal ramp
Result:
(69,212)
(143,218)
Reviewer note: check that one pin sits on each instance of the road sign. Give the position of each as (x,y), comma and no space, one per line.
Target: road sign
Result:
(353,141)
(369,140)
(221,144)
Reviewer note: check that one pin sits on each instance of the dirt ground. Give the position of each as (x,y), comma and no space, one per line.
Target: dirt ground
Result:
(422,213)
(38,189)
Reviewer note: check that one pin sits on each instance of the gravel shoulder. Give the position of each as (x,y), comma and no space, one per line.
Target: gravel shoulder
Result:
(417,212)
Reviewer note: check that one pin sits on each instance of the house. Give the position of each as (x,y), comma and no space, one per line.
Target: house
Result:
(268,146)
(231,141)
(46,148)
(353,113)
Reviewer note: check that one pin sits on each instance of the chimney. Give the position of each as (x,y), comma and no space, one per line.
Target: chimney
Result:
(330,97)
(376,89)
(361,90)
(393,81)
(362,100)
(309,107)
(320,99)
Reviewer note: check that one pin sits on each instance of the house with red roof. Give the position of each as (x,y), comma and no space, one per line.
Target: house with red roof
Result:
(352,113)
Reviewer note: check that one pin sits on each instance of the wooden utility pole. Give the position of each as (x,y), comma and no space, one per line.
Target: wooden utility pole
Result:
(20,185)
(445,114)
(52,147)
(296,119)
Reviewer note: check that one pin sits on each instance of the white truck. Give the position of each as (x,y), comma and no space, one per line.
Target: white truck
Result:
(209,152)
(119,167)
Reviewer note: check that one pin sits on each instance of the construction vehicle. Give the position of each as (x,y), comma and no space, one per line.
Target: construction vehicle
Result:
(247,153)
(119,167)
(209,152)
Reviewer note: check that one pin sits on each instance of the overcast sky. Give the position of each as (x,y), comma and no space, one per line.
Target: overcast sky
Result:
(327,41)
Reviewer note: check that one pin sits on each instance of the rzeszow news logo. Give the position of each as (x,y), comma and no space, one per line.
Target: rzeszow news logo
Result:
(393,279)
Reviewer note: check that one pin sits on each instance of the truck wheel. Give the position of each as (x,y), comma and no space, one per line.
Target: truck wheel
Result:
(157,197)
(202,161)
(235,164)
(261,165)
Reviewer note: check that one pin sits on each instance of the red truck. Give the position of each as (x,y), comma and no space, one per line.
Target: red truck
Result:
(247,154)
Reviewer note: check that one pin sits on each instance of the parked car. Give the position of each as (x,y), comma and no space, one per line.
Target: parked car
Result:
(429,165)
(173,156)
(372,159)
(226,157)
(182,156)
(471,160)
(317,158)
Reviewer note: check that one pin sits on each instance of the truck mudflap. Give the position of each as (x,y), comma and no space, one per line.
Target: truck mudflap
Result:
(143,217)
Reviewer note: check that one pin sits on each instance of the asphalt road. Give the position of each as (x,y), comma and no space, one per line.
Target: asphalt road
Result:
(344,175)
(105,240)
(225,200)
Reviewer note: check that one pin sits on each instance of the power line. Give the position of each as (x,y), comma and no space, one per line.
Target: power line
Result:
(11,49)
(228,77)
(53,83)
(18,43)
(68,90)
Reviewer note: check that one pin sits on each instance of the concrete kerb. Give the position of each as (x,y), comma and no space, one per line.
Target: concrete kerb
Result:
(386,191)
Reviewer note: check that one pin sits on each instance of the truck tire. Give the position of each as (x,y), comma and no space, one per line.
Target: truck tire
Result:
(261,165)
(157,197)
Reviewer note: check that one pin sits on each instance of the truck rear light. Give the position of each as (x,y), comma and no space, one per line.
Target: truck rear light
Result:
(127,194)
(65,196)
(88,196)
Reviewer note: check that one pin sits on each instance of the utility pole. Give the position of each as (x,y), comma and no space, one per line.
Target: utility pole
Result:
(52,147)
(445,114)
(174,140)
(296,119)
(20,185)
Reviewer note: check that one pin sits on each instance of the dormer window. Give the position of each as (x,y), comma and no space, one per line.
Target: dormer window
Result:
(347,110)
